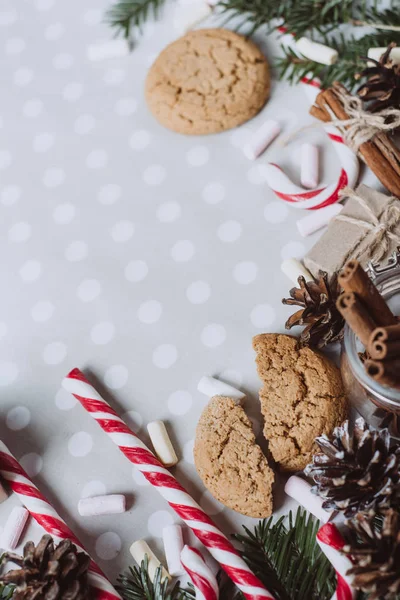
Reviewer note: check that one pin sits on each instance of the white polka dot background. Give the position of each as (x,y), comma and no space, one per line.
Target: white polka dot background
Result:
(143,257)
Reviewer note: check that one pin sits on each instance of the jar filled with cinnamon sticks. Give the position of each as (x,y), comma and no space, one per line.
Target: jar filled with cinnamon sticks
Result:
(370,304)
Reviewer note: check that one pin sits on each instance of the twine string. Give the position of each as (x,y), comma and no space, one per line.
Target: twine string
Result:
(380,231)
(362,126)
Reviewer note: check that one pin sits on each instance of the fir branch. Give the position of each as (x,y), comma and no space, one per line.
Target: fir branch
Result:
(286,557)
(126,16)
(137,585)
(300,17)
(385,20)
(352,53)
(6,592)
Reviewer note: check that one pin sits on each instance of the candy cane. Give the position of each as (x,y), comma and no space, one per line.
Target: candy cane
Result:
(170,489)
(288,191)
(331,542)
(203,579)
(42,511)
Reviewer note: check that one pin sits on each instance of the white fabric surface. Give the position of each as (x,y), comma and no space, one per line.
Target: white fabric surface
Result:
(146,258)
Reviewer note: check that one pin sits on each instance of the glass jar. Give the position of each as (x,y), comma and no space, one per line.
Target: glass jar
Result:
(377,403)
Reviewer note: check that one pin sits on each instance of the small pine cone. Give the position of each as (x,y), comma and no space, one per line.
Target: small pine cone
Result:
(322,322)
(357,470)
(374,549)
(47,572)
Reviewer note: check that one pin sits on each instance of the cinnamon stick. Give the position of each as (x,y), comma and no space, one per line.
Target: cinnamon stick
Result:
(384,343)
(356,315)
(353,278)
(380,153)
(386,373)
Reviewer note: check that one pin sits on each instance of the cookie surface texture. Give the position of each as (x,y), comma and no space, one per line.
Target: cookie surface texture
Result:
(207,81)
(302,397)
(230,463)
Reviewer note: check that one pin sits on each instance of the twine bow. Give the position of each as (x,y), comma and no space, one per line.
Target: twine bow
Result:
(362,126)
(380,230)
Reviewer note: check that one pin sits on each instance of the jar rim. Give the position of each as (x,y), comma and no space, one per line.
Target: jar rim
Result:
(382,392)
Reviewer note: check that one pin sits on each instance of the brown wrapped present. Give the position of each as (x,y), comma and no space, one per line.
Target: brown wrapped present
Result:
(368,228)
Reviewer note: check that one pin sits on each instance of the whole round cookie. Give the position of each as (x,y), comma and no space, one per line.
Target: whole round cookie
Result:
(207,81)
(229,461)
(302,398)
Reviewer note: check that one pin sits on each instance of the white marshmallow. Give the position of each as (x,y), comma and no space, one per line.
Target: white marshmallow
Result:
(376,53)
(173,546)
(14,527)
(261,139)
(294,268)
(317,52)
(191,15)
(317,219)
(309,166)
(139,550)
(162,444)
(109,49)
(209,386)
(101,505)
(300,490)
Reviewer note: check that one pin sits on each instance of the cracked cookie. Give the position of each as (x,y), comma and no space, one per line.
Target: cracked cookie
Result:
(302,398)
(228,460)
(207,81)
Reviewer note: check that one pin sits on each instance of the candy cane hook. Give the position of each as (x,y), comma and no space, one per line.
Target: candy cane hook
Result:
(323,196)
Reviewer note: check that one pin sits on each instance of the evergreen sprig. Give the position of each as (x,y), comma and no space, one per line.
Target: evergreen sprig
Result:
(284,554)
(6,592)
(127,17)
(286,557)
(137,585)
(352,53)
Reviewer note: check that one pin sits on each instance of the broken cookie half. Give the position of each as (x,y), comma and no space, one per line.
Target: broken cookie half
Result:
(302,398)
(229,461)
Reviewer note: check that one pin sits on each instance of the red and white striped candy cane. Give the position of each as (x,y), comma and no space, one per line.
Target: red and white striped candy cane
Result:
(203,579)
(331,542)
(288,191)
(170,489)
(42,511)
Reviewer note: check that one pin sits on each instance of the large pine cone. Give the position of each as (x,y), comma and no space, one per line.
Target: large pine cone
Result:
(375,552)
(48,572)
(357,470)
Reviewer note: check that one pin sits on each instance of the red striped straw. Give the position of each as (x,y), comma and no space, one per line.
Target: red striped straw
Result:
(204,581)
(169,488)
(43,512)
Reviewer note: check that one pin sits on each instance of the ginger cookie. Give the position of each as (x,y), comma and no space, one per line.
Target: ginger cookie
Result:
(302,398)
(207,81)
(228,460)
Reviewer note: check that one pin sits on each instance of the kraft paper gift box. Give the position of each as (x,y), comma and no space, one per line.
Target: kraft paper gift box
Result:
(343,240)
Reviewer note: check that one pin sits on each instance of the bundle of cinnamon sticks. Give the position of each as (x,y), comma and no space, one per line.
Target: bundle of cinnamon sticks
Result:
(378,329)
(380,153)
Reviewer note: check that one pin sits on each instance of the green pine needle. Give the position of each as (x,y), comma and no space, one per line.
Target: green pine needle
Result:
(284,554)
(127,17)
(6,592)
(352,53)
(137,585)
(286,557)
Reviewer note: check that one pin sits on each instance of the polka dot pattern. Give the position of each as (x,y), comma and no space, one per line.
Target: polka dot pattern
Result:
(18,418)
(143,257)
(80,444)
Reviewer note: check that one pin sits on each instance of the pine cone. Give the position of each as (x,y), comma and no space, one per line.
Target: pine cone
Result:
(323,322)
(357,470)
(375,551)
(48,572)
(383,83)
